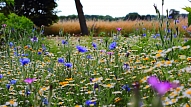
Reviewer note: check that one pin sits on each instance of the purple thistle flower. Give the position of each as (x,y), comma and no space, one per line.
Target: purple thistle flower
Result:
(29,80)
(3,25)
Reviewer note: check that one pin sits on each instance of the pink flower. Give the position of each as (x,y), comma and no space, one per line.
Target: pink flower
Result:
(110,53)
(29,80)
(161,87)
(153,80)
(119,29)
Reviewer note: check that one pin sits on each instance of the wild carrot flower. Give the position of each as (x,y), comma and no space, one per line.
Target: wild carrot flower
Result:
(24,61)
(81,49)
(29,80)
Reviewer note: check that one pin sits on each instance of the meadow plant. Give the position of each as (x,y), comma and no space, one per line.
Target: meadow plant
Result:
(104,71)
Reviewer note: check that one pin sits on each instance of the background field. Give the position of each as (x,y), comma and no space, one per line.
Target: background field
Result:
(73,27)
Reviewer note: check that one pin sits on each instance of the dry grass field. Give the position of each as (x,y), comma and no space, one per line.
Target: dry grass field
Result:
(73,26)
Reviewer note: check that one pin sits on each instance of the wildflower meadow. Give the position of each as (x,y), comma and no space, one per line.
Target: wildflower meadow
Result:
(149,68)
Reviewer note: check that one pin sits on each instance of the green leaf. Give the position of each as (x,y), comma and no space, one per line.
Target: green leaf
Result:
(188,43)
(189,19)
(188,9)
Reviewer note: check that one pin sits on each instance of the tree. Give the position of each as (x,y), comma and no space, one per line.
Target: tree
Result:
(6,6)
(173,13)
(82,20)
(132,16)
(41,12)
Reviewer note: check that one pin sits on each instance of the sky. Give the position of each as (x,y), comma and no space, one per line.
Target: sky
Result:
(119,8)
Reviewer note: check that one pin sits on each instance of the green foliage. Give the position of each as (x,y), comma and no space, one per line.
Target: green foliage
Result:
(189,19)
(19,23)
(188,9)
(188,43)
(2,18)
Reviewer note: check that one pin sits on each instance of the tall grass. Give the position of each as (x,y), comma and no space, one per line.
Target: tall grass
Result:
(73,27)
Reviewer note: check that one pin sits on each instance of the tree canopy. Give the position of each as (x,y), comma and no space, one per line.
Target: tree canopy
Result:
(41,12)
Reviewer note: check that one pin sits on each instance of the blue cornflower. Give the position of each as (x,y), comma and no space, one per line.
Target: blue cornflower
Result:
(184,27)
(112,45)
(91,79)
(94,45)
(157,34)
(43,48)
(177,21)
(24,61)
(8,86)
(144,35)
(1,76)
(96,86)
(126,87)
(39,53)
(34,39)
(69,65)
(81,49)
(90,102)
(126,66)
(60,60)
(24,54)
(64,42)
(11,44)
(88,56)
(27,92)
(13,82)
(170,17)
(45,101)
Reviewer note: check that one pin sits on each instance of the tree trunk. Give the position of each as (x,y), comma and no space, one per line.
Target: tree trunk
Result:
(82,20)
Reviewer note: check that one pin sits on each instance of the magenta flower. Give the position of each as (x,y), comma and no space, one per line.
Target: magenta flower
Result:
(29,80)
(161,87)
(153,80)
(119,29)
